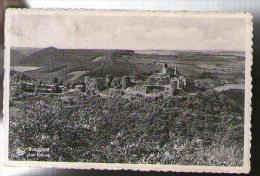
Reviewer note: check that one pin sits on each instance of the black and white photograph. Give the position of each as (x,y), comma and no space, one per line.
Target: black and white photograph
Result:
(141,90)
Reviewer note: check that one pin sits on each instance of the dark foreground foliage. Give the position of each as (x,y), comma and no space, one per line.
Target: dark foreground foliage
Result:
(206,128)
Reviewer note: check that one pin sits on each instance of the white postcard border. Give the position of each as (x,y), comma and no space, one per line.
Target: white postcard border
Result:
(140,167)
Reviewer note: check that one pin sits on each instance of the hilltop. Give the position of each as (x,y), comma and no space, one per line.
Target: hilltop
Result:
(56,62)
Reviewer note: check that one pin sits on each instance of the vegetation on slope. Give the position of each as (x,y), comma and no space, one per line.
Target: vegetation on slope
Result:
(203,129)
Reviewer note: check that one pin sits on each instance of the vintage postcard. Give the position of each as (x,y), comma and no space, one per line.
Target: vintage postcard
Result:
(133,90)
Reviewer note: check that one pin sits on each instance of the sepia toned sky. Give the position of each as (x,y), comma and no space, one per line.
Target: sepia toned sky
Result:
(108,30)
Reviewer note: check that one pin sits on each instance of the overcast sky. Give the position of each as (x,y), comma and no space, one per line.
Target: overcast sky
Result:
(135,31)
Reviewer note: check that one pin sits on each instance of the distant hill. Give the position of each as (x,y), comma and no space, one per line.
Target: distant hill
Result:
(113,65)
(52,56)
(79,59)
(26,51)
(18,54)
(60,62)
(16,57)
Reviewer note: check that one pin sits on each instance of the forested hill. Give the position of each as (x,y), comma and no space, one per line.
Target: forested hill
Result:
(60,62)
(53,56)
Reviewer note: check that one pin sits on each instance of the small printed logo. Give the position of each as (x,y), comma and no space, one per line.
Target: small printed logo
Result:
(31,152)
(20,151)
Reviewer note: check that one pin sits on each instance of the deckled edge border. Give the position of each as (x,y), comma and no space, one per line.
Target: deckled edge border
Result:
(135,167)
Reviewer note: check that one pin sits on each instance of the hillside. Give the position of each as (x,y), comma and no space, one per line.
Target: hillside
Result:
(205,128)
(60,62)
(16,57)
(53,56)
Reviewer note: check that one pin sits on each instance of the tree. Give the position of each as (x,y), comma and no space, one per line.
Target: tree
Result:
(22,86)
(56,89)
(83,88)
(55,80)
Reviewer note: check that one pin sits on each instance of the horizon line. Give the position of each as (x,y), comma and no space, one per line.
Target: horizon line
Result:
(185,50)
